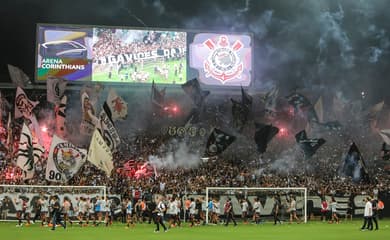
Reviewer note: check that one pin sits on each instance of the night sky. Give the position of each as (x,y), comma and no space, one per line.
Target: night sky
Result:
(308,44)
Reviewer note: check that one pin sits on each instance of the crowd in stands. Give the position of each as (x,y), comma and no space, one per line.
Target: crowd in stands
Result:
(320,174)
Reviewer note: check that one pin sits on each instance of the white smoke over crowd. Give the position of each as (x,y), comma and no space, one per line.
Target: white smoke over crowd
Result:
(180,156)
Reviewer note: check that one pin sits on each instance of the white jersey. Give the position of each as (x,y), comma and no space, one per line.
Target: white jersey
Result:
(177,203)
(29,208)
(293,205)
(192,207)
(216,207)
(91,207)
(160,208)
(244,206)
(333,206)
(44,205)
(103,205)
(368,209)
(108,205)
(81,206)
(18,204)
(257,207)
(172,208)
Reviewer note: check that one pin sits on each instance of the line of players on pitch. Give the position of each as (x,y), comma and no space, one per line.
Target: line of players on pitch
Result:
(99,210)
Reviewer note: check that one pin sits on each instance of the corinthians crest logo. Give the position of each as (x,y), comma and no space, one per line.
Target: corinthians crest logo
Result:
(66,158)
(223,62)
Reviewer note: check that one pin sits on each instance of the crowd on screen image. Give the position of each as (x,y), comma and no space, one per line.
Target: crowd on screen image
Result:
(110,44)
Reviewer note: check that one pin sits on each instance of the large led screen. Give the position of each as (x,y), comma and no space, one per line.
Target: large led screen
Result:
(141,56)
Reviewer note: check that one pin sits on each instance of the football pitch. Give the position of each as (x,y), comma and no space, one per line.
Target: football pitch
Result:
(349,230)
(172,78)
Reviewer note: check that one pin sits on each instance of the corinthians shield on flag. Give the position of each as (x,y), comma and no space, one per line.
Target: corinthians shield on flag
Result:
(28,154)
(64,160)
(23,105)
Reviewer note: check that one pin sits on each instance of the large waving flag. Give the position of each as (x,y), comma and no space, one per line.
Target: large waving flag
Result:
(18,77)
(23,105)
(354,165)
(193,90)
(117,105)
(217,142)
(99,153)
(263,135)
(158,96)
(55,89)
(246,99)
(64,160)
(308,145)
(241,110)
(108,130)
(28,154)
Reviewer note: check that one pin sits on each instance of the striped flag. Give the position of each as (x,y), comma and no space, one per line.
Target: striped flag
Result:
(108,130)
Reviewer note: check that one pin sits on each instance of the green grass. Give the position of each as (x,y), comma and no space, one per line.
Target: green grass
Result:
(103,76)
(312,230)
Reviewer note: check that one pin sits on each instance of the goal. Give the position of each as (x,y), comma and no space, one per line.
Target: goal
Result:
(31,193)
(220,195)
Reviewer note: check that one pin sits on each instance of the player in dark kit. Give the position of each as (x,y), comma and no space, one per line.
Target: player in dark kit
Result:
(159,215)
(276,209)
(229,213)
(56,212)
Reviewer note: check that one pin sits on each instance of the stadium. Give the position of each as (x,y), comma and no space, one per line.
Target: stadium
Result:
(261,123)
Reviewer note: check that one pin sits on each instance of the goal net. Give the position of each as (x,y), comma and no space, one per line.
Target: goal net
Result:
(30,194)
(217,196)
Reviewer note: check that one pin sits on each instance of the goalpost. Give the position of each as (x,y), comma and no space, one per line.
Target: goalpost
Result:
(31,194)
(220,195)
